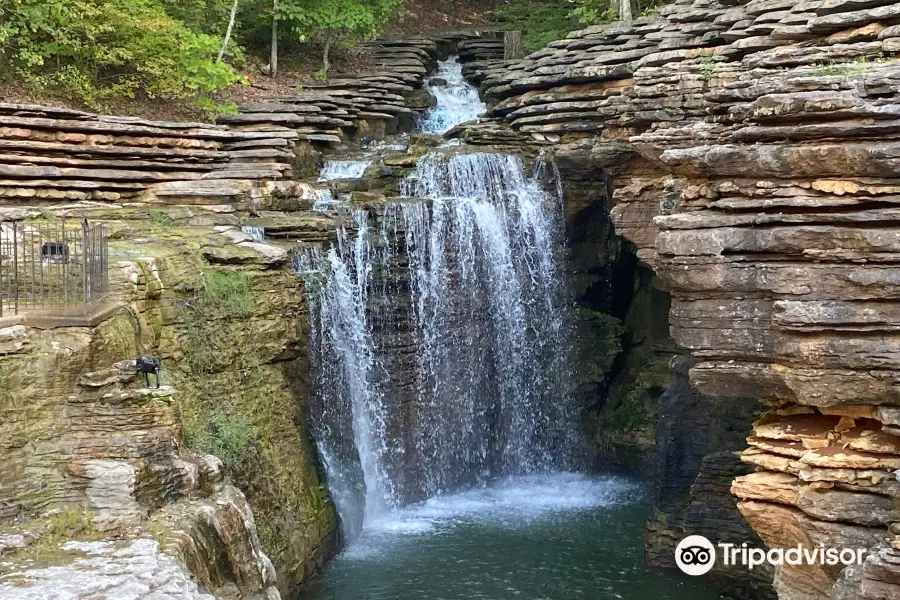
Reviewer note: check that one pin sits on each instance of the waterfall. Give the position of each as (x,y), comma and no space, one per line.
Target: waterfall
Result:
(439,338)
(350,412)
(457,101)
(491,303)
(344,169)
(257,233)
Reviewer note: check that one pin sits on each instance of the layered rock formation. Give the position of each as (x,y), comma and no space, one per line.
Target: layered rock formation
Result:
(79,430)
(751,146)
(378,102)
(52,154)
(698,439)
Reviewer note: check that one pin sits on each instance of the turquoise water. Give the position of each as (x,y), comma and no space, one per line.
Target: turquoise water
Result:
(549,537)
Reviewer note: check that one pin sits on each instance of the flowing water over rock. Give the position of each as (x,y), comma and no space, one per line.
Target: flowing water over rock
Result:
(344,169)
(491,307)
(472,275)
(349,412)
(439,338)
(257,233)
(457,101)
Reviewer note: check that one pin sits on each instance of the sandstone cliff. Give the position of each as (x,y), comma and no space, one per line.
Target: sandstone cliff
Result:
(82,433)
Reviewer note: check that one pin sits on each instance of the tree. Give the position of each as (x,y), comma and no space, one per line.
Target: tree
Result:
(98,51)
(328,22)
(273,57)
(513,48)
(234,8)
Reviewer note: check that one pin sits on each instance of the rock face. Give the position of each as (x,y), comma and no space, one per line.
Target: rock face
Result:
(112,449)
(112,571)
(60,155)
(384,100)
(697,438)
(751,150)
(79,430)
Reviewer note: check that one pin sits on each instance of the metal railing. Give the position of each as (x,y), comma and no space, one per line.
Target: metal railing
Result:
(54,267)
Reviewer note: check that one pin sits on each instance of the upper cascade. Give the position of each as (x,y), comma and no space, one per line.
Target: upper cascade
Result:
(457,99)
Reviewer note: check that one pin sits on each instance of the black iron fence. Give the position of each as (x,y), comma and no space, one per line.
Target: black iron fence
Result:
(55,267)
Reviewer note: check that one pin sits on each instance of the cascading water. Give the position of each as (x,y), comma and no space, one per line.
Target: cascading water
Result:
(344,169)
(441,407)
(485,303)
(439,328)
(257,233)
(457,101)
(350,412)
(490,302)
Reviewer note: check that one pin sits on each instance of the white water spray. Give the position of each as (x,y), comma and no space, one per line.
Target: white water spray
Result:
(344,169)
(457,100)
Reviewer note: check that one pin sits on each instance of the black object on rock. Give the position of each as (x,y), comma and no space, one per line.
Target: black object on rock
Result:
(147,365)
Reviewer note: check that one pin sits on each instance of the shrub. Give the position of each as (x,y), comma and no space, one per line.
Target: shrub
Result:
(222,434)
(100,51)
(228,292)
(540,22)
(594,12)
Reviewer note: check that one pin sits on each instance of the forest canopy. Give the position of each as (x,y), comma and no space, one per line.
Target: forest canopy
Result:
(98,52)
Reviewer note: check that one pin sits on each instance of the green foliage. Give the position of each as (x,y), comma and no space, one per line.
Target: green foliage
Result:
(541,22)
(119,336)
(223,295)
(206,16)
(160,219)
(336,19)
(66,525)
(213,109)
(69,523)
(159,532)
(100,51)
(222,434)
(707,66)
(594,12)
(228,292)
(598,12)
(856,67)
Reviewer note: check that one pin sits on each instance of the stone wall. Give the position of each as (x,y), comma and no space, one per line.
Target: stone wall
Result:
(752,146)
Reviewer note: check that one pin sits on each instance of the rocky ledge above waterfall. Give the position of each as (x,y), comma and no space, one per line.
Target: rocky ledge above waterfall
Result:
(753,150)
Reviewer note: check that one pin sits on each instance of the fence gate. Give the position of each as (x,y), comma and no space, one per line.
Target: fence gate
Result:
(53,267)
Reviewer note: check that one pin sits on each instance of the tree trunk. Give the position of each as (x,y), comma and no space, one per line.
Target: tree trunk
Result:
(273,58)
(454,8)
(625,11)
(513,48)
(326,63)
(234,8)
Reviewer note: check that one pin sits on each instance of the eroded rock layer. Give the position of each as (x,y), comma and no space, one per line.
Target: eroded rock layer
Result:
(753,147)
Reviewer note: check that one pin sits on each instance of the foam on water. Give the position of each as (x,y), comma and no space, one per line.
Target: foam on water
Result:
(457,100)
(507,503)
